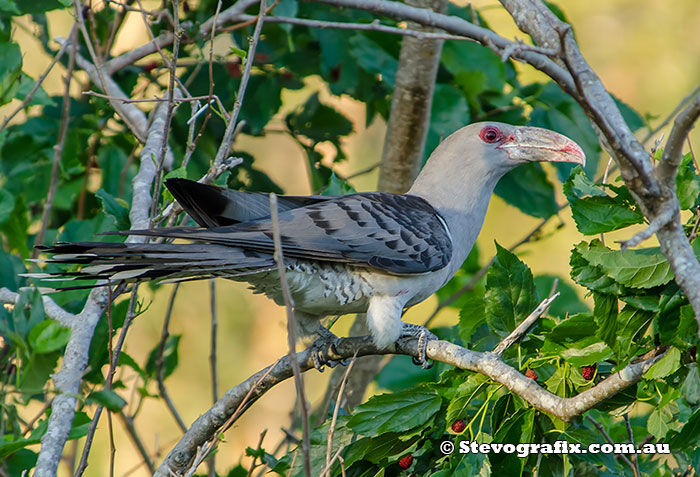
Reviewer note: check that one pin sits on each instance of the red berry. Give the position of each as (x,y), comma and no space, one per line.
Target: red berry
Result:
(406,461)
(588,372)
(459,425)
(150,66)
(531,374)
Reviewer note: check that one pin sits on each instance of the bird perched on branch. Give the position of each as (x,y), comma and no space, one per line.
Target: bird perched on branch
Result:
(377,253)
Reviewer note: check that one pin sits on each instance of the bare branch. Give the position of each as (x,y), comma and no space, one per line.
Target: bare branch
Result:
(673,152)
(58,147)
(489,364)
(667,215)
(291,335)
(682,104)
(523,327)
(227,141)
(374,26)
(607,437)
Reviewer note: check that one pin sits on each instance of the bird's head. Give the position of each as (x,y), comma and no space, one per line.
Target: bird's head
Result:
(507,146)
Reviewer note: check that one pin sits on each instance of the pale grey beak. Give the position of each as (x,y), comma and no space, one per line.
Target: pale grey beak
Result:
(536,144)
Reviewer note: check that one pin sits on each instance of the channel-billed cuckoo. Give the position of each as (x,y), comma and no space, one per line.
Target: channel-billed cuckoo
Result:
(375,253)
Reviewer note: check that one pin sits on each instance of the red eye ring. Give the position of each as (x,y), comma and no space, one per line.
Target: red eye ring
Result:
(491,134)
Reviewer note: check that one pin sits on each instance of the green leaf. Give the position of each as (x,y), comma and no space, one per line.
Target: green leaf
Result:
(458,408)
(48,336)
(568,301)
(635,268)
(595,213)
(10,70)
(605,313)
(691,386)
(448,113)
(108,398)
(116,208)
(373,58)
(319,122)
(471,316)
(668,364)
(463,57)
(338,186)
(40,6)
(7,205)
(590,276)
(660,420)
(262,101)
(510,292)
(40,98)
(170,357)
(396,412)
(9,7)
(529,190)
(687,183)
(632,323)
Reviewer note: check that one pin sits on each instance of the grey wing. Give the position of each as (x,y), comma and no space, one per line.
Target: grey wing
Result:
(213,206)
(399,234)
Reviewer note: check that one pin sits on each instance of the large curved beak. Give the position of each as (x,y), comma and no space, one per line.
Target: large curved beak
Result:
(536,144)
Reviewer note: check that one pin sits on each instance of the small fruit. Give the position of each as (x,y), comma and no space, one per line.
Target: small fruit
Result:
(531,374)
(406,461)
(459,425)
(588,372)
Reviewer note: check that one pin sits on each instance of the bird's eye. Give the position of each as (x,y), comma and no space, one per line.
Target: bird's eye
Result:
(490,134)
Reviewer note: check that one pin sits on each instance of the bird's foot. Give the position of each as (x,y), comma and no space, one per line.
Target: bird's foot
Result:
(324,348)
(423,335)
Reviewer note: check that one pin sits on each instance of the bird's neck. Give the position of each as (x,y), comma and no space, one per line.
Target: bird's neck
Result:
(461,200)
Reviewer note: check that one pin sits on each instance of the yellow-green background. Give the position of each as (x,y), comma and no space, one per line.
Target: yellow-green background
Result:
(647,53)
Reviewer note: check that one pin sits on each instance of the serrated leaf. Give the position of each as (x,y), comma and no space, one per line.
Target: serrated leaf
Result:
(116,208)
(605,313)
(109,399)
(373,58)
(510,292)
(465,393)
(687,183)
(660,420)
(170,357)
(471,316)
(668,364)
(593,210)
(528,189)
(635,268)
(7,205)
(48,336)
(396,412)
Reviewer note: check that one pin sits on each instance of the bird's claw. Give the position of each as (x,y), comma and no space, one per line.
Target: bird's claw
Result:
(423,335)
(323,348)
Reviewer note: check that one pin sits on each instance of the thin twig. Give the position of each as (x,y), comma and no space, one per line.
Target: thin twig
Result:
(58,148)
(160,363)
(227,141)
(523,327)
(682,104)
(630,434)
(331,430)
(211,462)
(607,437)
(672,155)
(668,214)
(291,335)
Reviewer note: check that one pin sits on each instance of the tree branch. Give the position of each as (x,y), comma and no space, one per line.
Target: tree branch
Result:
(673,152)
(489,364)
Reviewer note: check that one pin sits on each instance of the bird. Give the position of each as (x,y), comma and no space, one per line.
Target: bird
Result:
(369,252)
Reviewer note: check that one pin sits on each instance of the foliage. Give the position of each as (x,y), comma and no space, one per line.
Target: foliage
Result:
(636,304)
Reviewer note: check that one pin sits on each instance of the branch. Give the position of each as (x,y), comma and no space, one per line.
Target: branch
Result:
(489,364)
(668,214)
(67,379)
(461,27)
(291,335)
(523,327)
(673,152)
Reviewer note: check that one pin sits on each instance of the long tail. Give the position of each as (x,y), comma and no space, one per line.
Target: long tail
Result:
(127,262)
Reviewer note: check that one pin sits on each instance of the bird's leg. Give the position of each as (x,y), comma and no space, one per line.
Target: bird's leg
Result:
(423,335)
(324,347)
(319,339)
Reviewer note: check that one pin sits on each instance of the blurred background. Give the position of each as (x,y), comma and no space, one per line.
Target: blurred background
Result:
(646,52)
